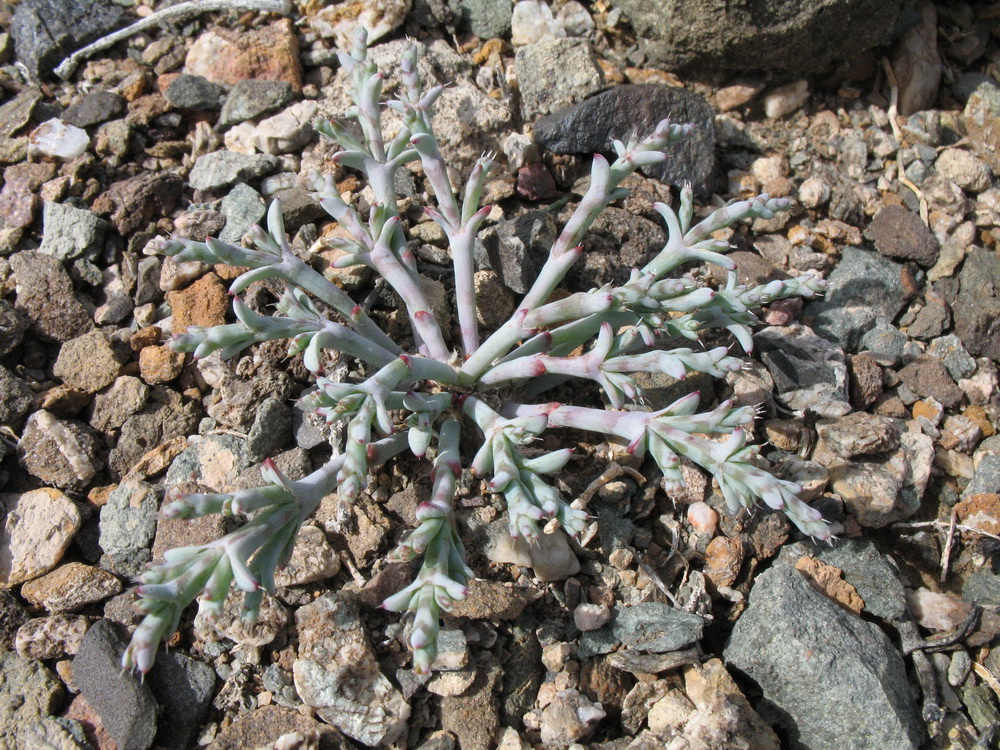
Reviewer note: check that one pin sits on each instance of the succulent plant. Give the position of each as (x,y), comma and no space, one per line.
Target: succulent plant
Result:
(444,387)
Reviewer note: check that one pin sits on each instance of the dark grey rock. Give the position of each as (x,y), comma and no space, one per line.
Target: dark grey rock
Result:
(517,248)
(987,477)
(12,327)
(71,232)
(221,169)
(487,19)
(596,642)
(809,372)
(309,428)
(794,36)
(135,202)
(12,616)
(251,98)
(147,284)
(953,355)
(870,572)
(883,342)
(898,233)
(243,207)
(556,73)
(271,430)
(932,321)
(829,678)
(522,675)
(194,93)
(977,309)
(123,701)
(982,587)
(46,31)
(60,452)
(16,397)
(862,288)
(93,109)
(299,207)
(28,691)
(623,112)
(656,627)
(966,83)
(183,686)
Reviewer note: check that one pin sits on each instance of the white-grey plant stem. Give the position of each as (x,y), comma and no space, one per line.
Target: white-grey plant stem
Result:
(171,13)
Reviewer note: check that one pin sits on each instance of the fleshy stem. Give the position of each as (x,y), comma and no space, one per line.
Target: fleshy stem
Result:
(444,576)
(248,556)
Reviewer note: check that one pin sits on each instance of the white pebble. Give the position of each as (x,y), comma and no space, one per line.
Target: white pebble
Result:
(814,192)
(56,138)
(703,518)
(532,22)
(786,99)
(591,616)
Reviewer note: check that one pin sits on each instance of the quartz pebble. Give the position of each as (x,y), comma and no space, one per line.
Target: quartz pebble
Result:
(786,99)
(591,616)
(59,140)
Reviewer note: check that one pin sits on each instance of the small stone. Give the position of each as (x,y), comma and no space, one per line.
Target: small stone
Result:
(268,53)
(655,627)
(492,600)
(966,170)
(221,169)
(57,139)
(899,233)
(65,453)
(203,303)
(122,700)
(243,207)
(285,132)
(814,192)
(591,616)
(110,409)
(194,93)
(71,233)
(313,559)
(858,434)
(16,397)
(29,691)
(250,98)
(268,724)
(160,364)
(128,523)
(38,527)
(549,555)
(70,587)
(473,716)
(570,717)
(135,202)
(723,560)
(669,714)
(93,109)
(51,637)
(532,22)
(449,684)
(16,112)
(337,674)
(555,74)
(929,377)
(87,362)
(786,99)
(184,687)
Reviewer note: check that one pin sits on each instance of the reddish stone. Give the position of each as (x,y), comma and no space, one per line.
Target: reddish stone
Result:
(535,183)
(226,56)
(204,303)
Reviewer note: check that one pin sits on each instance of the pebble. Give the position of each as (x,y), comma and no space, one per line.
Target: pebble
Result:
(786,99)
(232,624)
(378,17)
(656,627)
(337,674)
(532,22)
(251,98)
(283,133)
(127,525)
(313,559)
(791,351)
(124,702)
(624,111)
(29,691)
(65,453)
(194,93)
(965,169)
(226,56)
(591,616)
(39,526)
(51,637)
(832,674)
(57,139)
(70,587)
(183,687)
(71,232)
(18,398)
(111,408)
(571,716)
(135,202)
(550,555)
(901,234)
(221,169)
(814,192)
(93,109)
(88,362)
(555,74)
(46,299)
(160,364)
